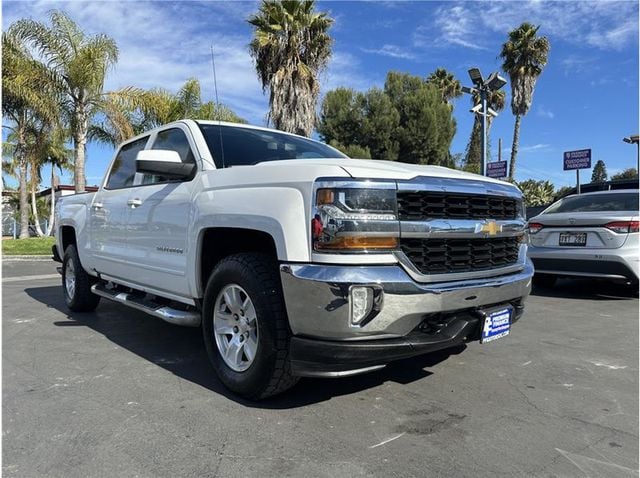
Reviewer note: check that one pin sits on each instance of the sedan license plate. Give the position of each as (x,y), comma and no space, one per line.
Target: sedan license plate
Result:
(496,324)
(573,239)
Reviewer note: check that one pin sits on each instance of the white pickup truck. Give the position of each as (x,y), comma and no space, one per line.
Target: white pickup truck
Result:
(294,259)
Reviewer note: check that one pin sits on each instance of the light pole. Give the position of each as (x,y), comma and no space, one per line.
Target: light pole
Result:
(483,88)
(633,139)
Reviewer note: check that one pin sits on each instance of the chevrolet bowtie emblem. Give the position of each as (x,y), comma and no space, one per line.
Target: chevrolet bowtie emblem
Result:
(491,228)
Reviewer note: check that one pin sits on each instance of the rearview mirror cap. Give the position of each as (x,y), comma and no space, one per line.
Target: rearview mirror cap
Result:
(163,162)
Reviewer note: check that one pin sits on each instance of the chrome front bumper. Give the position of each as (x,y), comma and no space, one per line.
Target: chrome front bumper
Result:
(317,298)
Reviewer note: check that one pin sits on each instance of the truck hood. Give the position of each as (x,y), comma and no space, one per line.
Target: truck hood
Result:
(379,169)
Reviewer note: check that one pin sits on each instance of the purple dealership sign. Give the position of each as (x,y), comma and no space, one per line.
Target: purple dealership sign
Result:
(580,159)
(497,169)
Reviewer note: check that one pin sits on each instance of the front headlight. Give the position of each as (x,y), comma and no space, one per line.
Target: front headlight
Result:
(522,208)
(355,216)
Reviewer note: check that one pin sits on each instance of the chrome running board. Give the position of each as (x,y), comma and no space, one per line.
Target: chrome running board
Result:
(166,313)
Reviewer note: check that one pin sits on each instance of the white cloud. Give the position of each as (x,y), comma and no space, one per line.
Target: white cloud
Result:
(453,25)
(344,70)
(162,44)
(575,22)
(574,64)
(534,148)
(545,113)
(165,43)
(605,25)
(393,51)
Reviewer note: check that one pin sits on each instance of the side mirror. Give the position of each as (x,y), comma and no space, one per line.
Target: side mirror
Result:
(163,162)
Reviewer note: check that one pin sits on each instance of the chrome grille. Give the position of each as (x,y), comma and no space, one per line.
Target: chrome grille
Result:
(425,205)
(442,256)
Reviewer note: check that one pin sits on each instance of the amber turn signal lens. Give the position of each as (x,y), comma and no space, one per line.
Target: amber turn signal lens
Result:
(347,243)
(324,196)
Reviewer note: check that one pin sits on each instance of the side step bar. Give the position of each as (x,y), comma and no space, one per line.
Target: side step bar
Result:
(168,314)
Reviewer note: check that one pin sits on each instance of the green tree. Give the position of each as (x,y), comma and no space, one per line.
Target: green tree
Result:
(629,173)
(407,121)
(426,125)
(341,117)
(563,191)
(380,124)
(352,150)
(291,46)
(367,120)
(29,97)
(495,101)
(599,174)
(80,64)
(524,56)
(536,193)
(446,83)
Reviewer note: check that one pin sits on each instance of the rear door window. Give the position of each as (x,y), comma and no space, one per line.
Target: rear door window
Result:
(123,170)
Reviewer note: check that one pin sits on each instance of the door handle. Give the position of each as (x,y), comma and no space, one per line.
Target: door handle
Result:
(97,205)
(134,202)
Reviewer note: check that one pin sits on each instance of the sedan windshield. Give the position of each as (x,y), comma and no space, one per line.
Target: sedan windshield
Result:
(596,202)
(237,146)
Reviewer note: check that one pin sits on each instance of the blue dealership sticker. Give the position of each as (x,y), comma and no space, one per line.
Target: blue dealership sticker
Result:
(496,325)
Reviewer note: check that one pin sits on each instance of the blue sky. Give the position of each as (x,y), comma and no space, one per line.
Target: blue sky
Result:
(587,97)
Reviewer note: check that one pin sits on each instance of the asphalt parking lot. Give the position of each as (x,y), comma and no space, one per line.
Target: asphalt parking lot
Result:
(119,393)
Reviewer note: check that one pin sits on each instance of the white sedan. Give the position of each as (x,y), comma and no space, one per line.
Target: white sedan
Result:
(587,235)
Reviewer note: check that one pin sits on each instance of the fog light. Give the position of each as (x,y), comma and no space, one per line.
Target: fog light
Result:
(361,303)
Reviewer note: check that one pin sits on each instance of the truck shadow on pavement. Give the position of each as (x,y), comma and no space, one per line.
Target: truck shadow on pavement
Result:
(181,351)
(591,289)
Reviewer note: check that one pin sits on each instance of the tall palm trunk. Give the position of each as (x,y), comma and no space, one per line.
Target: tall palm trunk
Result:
(514,148)
(23,192)
(34,210)
(79,147)
(24,198)
(488,139)
(52,211)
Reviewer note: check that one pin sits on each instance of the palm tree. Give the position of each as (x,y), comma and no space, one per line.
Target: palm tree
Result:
(29,96)
(447,83)
(495,101)
(126,116)
(48,149)
(160,106)
(291,46)
(525,54)
(80,64)
(537,193)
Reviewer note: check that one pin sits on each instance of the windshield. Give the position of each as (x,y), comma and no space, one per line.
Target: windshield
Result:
(246,146)
(596,202)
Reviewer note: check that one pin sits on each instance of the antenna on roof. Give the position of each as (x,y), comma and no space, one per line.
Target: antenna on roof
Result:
(217,108)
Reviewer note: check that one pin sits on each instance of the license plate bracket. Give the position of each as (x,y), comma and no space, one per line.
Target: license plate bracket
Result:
(573,239)
(496,323)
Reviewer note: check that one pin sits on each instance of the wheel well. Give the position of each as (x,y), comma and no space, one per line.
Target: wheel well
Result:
(68,235)
(220,242)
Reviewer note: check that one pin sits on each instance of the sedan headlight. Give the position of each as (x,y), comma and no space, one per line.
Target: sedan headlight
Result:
(355,216)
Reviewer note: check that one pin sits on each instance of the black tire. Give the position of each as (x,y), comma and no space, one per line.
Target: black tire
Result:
(544,281)
(270,372)
(81,299)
